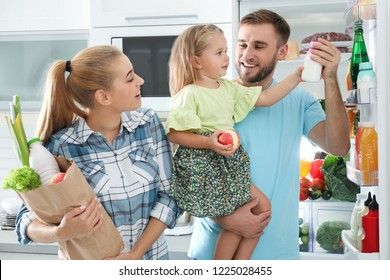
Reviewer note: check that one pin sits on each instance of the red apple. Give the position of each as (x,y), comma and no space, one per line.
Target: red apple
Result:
(231,137)
(59,177)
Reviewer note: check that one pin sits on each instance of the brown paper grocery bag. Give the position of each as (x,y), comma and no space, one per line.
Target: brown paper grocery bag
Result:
(50,203)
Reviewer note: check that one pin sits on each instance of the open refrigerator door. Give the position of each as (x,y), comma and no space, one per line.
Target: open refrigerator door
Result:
(375,16)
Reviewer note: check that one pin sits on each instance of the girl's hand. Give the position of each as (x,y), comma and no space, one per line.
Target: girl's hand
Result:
(81,221)
(225,150)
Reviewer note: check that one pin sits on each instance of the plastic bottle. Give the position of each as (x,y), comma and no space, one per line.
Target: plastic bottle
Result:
(361,213)
(311,69)
(370,225)
(359,52)
(366,79)
(366,144)
(42,161)
(354,218)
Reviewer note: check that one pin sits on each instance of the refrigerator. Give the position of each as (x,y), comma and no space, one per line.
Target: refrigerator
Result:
(308,17)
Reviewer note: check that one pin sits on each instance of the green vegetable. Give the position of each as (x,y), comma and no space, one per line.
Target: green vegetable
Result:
(313,195)
(329,236)
(326,194)
(305,239)
(16,129)
(304,229)
(335,174)
(304,247)
(22,179)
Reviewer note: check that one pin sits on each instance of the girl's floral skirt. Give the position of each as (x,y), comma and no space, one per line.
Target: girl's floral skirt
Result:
(207,184)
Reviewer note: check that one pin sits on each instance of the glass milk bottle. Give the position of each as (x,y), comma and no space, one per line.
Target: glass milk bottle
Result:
(42,161)
(311,69)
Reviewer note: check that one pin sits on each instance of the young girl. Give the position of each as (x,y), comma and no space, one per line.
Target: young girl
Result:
(211,179)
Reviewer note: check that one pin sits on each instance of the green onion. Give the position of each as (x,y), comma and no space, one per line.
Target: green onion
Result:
(15,126)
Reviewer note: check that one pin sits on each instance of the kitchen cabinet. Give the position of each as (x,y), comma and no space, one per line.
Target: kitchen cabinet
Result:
(32,35)
(43,15)
(106,13)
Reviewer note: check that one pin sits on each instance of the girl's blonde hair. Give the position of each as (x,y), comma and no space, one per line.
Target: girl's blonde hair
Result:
(192,42)
(67,98)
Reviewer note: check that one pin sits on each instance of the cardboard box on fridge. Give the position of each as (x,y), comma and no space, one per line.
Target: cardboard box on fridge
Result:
(51,202)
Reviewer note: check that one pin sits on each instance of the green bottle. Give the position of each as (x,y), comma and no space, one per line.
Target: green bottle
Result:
(359,53)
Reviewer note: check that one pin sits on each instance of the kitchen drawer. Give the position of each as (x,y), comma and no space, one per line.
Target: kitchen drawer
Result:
(105,13)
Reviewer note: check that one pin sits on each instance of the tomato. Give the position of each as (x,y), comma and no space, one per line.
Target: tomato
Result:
(304,167)
(317,184)
(315,170)
(303,194)
(305,183)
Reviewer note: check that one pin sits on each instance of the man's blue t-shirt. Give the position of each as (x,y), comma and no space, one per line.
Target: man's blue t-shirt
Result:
(272,137)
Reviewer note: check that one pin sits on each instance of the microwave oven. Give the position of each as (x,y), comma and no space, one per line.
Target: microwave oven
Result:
(149,48)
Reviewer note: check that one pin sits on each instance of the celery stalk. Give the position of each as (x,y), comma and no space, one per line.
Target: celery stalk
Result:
(15,126)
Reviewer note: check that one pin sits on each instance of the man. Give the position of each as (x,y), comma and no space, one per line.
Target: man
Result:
(272,137)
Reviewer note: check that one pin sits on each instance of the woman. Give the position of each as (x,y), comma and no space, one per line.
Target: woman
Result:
(91,113)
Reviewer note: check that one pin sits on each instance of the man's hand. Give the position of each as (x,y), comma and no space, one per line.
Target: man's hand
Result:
(243,222)
(328,55)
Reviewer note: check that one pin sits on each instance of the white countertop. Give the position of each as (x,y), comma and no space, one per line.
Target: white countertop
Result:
(10,248)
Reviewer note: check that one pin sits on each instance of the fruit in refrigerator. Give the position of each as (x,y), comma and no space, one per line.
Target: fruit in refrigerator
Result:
(303,194)
(317,184)
(304,167)
(315,169)
(304,183)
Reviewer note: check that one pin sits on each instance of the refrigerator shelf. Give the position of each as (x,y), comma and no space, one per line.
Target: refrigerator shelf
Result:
(362,178)
(355,97)
(352,252)
(359,11)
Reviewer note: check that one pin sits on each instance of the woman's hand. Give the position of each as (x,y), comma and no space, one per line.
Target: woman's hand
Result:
(81,221)
(127,256)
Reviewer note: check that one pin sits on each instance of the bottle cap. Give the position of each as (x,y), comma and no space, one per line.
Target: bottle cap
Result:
(373,205)
(365,65)
(368,200)
(33,140)
(358,23)
(366,124)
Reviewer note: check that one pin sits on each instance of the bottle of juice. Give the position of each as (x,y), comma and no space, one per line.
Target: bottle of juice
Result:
(367,152)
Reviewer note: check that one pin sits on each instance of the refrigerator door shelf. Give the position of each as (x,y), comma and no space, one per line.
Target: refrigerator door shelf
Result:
(351,252)
(362,178)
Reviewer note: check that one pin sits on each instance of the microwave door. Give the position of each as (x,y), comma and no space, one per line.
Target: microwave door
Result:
(149,56)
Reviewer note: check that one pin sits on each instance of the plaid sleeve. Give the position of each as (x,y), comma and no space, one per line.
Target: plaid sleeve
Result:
(165,209)
(23,220)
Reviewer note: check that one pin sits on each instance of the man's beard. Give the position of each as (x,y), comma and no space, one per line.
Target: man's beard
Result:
(264,72)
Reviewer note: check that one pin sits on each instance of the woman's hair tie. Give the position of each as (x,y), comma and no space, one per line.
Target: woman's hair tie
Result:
(67,66)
